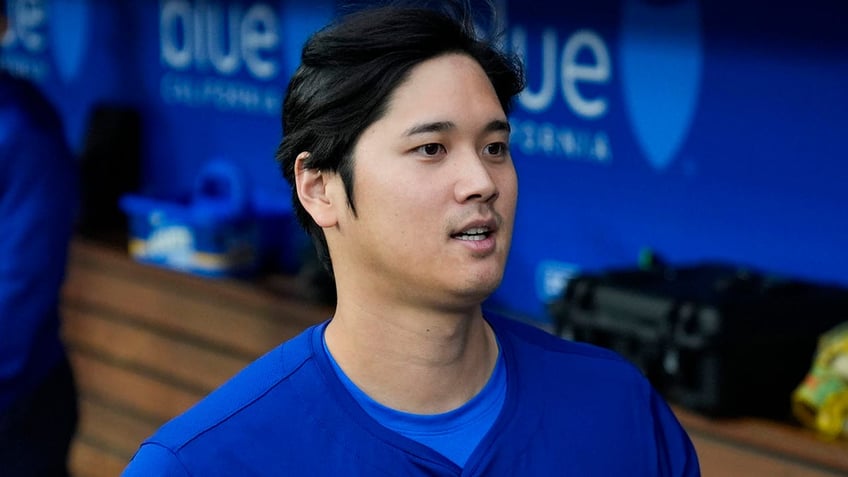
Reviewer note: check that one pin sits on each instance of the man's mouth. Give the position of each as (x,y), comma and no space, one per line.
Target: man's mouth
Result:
(473,234)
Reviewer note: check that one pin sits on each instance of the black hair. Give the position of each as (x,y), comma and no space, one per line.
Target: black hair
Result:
(348,72)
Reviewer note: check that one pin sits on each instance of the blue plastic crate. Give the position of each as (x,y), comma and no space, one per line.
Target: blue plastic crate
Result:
(214,233)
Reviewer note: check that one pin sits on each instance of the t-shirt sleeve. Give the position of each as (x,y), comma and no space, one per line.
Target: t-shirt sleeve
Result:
(676,454)
(154,460)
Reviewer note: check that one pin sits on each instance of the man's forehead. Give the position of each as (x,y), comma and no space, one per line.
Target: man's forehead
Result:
(434,96)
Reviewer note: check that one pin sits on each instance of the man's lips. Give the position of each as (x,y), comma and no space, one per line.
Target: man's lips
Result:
(473,234)
(477,230)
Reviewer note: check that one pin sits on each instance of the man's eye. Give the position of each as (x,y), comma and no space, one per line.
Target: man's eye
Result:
(431,149)
(496,149)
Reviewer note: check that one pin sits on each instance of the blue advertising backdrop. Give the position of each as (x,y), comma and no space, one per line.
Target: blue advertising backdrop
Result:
(701,130)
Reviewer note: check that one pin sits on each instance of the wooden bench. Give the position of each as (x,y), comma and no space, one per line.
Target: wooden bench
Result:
(147,343)
(751,447)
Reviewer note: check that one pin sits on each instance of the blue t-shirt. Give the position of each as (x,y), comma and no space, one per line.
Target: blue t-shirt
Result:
(570,409)
(454,434)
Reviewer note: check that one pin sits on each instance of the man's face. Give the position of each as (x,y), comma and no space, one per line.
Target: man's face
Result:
(435,191)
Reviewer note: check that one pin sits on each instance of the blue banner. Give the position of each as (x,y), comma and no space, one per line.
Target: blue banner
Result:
(207,76)
(700,130)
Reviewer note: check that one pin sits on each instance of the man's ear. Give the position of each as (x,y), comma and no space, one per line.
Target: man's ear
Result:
(315,191)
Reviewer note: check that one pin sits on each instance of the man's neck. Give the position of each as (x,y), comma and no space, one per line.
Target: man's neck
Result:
(415,361)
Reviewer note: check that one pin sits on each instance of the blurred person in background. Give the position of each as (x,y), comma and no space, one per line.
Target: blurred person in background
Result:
(38,196)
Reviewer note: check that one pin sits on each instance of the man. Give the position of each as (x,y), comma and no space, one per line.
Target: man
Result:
(38,192)
(396,146)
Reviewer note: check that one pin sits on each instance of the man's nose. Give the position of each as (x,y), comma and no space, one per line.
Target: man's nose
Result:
(475,181)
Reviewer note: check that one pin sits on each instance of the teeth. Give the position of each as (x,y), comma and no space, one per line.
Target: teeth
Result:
(474,234)
(472,238)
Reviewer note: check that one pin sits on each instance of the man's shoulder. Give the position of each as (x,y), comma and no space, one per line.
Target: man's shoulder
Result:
(534,340)
(28,118)
(242,400)
(25,100)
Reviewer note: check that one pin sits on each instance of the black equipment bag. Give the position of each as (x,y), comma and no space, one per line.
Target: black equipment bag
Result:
(714,337)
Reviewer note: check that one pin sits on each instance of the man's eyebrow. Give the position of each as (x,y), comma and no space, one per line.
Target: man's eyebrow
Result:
(498,125)
(438,126)
(441,126)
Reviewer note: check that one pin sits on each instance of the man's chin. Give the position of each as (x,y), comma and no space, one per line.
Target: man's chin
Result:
(478,290)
